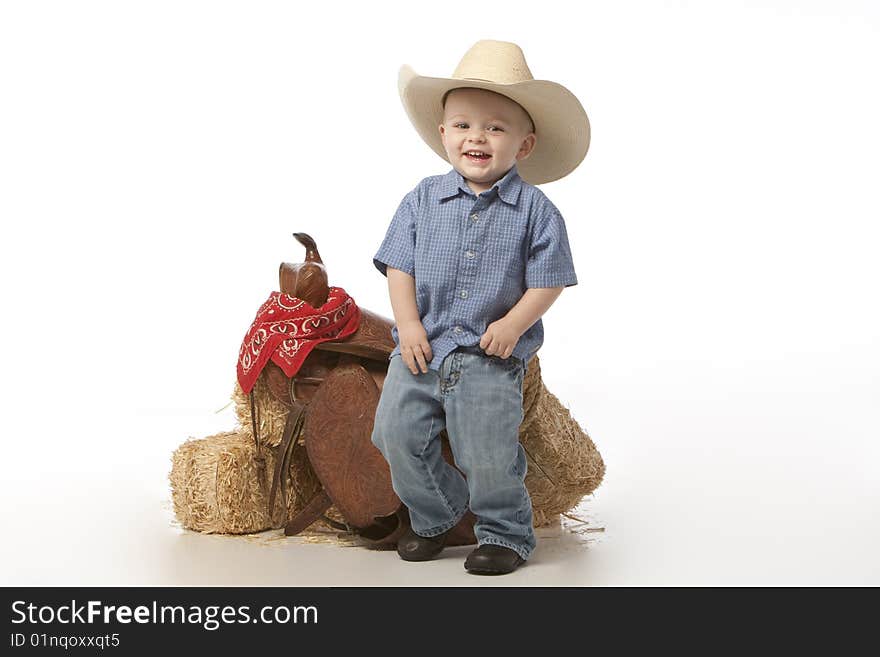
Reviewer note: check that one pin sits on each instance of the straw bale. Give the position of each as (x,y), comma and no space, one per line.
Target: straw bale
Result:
(563,463)
(218,487)
(271,412)
(532,390)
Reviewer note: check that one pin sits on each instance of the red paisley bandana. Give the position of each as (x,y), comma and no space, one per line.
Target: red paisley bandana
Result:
(286,329)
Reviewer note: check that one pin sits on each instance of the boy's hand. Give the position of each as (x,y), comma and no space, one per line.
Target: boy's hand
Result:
(500,338)
(414,346)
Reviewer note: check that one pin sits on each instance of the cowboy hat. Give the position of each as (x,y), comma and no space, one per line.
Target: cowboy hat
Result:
(561,124)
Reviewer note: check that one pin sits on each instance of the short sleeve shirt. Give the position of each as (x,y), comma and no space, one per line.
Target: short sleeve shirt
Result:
(474,256)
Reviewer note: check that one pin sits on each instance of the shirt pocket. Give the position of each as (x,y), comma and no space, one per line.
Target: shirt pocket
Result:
(507,247)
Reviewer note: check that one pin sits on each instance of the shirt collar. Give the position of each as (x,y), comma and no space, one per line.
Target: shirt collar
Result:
(508,187)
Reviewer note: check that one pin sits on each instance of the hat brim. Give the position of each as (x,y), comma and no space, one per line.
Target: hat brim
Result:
(562,129)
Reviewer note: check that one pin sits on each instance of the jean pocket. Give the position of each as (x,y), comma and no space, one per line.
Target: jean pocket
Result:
(511,363)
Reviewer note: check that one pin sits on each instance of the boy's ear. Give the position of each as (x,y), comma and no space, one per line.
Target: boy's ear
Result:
(527,146)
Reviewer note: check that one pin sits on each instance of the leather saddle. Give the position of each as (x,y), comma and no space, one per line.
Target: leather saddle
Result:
(332,403)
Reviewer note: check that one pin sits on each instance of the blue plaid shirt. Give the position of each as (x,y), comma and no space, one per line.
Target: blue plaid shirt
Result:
(473,257)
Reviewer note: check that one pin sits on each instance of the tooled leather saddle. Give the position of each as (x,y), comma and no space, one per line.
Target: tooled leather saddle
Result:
(332,402)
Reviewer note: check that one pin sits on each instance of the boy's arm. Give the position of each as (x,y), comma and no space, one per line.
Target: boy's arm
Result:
(531,306)
(402,289)
(549,270)
(502,335)
(414,345)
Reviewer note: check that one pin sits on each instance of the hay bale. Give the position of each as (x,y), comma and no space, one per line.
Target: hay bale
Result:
(217,486)
(271,412)
(558,448)
(564,464)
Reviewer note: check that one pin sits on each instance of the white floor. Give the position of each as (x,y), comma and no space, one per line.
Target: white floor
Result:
(738,487)
(108,535)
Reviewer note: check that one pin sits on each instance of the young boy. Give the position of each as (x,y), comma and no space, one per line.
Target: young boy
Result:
(474,258)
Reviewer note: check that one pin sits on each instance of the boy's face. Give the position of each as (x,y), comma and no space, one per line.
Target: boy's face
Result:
(476,120)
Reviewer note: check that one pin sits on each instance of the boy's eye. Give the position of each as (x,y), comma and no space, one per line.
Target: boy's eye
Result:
(493,128)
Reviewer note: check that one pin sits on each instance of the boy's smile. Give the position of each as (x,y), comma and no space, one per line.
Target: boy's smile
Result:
(484,135)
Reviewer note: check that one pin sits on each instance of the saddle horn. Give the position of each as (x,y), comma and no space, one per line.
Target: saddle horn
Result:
(305,280)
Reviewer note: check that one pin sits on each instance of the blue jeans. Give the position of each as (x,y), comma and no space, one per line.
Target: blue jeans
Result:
(478,399)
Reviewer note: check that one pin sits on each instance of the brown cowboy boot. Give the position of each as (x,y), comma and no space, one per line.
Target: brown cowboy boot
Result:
(413,547)
(493,560)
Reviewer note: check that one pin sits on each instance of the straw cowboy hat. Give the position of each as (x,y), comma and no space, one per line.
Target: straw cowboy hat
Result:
(562,128)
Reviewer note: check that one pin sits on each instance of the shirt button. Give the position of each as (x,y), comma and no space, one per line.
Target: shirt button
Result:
(464,294)
(457,329)
(469,254)
(475,216)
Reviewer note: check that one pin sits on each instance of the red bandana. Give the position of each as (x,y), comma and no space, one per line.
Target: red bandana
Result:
(286,329)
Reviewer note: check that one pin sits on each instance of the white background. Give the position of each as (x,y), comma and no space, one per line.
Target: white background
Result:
(722,347)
